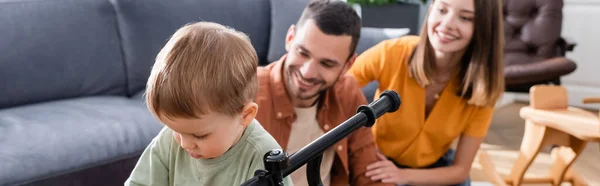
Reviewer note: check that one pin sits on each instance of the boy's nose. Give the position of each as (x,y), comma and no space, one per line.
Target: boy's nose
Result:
(186,143)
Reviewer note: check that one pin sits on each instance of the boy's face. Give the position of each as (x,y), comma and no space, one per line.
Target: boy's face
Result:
(211,135)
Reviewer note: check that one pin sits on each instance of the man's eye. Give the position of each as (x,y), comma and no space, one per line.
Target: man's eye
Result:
(302,53)
(327,65)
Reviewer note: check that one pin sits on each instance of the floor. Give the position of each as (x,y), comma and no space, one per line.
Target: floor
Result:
(503,141)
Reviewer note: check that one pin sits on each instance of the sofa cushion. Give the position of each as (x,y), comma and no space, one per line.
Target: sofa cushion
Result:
(53,138)
(147,25)
(58,49)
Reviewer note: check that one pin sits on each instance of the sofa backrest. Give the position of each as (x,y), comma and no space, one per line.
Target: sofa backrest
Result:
(285,13)
(59,49)
(146,26)
(53,49)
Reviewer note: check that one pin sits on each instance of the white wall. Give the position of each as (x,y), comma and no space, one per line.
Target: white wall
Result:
(580,23)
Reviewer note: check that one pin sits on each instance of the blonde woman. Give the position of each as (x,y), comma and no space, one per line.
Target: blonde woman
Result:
(449,79)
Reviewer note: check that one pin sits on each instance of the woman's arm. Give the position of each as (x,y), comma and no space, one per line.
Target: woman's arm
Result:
(367,66)
(387,172)
(457,172)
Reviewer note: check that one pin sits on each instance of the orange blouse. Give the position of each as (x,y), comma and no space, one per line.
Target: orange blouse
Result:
(406,135)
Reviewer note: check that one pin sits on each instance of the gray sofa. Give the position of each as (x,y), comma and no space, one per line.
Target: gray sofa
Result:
(73,72)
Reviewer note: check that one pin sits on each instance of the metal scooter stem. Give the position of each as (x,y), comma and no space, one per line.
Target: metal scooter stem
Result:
(313,171)
(279,166)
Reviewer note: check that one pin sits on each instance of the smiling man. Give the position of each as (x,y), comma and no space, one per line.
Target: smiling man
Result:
(306,93)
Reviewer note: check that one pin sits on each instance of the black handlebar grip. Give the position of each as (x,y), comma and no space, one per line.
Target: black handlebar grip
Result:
(389,101)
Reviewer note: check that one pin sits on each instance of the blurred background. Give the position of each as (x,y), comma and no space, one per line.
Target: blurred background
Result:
(73,73)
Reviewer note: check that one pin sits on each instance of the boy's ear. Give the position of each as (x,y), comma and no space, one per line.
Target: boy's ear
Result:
(249,113)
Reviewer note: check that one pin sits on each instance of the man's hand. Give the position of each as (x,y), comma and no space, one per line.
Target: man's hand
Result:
(386,171)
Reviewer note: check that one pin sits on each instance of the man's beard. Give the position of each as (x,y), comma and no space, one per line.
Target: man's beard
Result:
(324,87)
(299,96)
(296,75)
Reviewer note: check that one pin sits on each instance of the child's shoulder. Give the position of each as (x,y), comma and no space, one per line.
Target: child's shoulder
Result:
(260,140)
(165,133)
(164,141)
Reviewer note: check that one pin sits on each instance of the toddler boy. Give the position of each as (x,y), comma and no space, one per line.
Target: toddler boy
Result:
(202,88)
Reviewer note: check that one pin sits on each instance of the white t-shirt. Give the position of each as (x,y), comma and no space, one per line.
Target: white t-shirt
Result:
(305,130)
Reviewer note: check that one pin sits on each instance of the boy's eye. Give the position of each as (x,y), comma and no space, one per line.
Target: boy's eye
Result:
(200,137)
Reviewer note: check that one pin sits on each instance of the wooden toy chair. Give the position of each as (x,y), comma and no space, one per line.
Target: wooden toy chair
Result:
(550,121)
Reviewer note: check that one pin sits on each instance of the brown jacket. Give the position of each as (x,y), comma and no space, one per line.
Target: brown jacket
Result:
(276,114)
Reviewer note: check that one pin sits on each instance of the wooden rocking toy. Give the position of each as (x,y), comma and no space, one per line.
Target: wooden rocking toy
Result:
(550,121)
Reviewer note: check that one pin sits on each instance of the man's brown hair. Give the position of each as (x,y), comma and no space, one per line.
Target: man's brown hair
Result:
(333,17)
(204,68)
(481,68)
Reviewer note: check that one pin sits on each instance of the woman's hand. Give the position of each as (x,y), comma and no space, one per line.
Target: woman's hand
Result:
(386,171)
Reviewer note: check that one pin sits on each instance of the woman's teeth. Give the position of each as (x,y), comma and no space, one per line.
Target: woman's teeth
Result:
(449,37)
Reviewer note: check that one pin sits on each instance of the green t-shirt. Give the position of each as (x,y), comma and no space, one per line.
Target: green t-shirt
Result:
(164,162)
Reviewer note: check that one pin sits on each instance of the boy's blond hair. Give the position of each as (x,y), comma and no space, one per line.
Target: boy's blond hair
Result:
(204,68)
